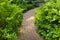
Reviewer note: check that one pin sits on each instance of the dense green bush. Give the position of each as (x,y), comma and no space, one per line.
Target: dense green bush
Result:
(10,17)
(47,20)
(25,4)
(32,2)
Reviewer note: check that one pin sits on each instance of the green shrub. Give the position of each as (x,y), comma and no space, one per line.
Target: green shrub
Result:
(10,17)
(47,20)
(33,2)
(25,4)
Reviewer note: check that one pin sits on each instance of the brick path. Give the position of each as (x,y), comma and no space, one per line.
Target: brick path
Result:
(28,30)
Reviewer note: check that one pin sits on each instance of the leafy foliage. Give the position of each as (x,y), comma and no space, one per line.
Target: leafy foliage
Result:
(25,4)
(47,20)
(10,17)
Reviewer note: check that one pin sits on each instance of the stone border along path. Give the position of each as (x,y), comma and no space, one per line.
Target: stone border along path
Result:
(28,30)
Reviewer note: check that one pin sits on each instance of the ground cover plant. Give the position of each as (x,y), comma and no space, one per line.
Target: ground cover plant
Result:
(47,20)
(10,17)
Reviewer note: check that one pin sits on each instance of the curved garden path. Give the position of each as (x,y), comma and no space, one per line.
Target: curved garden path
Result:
(28,30)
